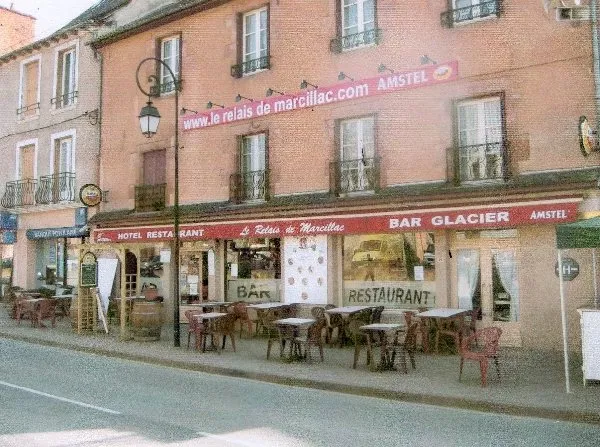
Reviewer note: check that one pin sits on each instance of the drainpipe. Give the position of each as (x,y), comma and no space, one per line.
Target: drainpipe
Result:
(596,60)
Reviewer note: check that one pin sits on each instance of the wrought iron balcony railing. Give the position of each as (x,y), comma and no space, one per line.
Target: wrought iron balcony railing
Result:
(29,110)
(251,185)
(351,41)
(477,11)
(478,162)
(64,100)
(165,87)
(261,63)
(55,188)
(348,176)
(150,197)
(19,193)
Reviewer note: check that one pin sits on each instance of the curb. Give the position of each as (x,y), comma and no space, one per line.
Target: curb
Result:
(416,398)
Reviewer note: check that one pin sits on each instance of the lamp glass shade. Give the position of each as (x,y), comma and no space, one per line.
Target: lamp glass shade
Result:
(149,119)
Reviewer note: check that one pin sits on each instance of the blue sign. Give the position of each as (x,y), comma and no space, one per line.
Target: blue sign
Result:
(8,221)
(55,233)
(8,237)
(81,216)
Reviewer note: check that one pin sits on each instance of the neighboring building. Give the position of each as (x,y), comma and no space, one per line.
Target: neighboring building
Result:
(49,140)
(16,29)
(409,182)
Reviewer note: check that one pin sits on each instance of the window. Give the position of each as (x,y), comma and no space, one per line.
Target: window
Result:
(357,154)
(151,195)
(251,181)
(254,43)
(357,25)
(170,54)
(469,10)
(29,91)
(59,185)
(66,77)
(481,148)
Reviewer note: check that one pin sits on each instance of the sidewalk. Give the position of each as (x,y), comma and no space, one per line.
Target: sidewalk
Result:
(532,382)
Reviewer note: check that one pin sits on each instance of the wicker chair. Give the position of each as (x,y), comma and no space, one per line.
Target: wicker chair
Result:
(359,338)
(45,309)
(223,327)
(313,337)
(240,310)
(376,314)
(409,346)
(334,321)
(272,331)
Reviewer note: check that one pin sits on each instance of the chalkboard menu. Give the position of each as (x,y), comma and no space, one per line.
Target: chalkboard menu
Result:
(88,275)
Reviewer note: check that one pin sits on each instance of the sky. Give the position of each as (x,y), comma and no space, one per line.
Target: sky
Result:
(50,14)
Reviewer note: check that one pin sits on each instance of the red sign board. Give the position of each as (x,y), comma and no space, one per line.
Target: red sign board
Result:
(347,91)
(455,219)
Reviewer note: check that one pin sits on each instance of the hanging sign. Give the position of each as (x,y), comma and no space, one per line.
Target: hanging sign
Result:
(88,275)
(587,137)
(570,269)
(90,195)
(347,91)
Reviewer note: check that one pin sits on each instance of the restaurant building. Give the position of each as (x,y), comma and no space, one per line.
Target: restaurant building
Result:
(49,140)
(372,153)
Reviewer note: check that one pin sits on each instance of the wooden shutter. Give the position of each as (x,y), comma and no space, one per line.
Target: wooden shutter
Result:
(154,167)
(31,83)
(27,162)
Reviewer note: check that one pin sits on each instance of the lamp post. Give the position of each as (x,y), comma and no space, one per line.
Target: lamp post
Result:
(149,120)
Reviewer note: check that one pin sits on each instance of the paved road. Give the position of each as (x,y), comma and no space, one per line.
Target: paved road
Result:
(56,397)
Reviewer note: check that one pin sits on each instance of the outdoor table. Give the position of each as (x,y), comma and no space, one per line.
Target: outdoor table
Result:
(63,302)
(288,330)
(209,318)
(266,306)
(210,305)
(442,319)
(387,350)
(345,312)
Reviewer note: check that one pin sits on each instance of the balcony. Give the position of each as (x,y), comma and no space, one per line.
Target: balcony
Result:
(480,162)
(352,176)
(65,100)
(352,41)
(251,66)
(481,10)
(29,110)
(165,87)
(248,186)
(55,188)
(150,197)
(19,193)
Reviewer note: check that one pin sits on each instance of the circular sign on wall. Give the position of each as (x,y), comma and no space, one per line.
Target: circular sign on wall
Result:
(570,269)
(90,195)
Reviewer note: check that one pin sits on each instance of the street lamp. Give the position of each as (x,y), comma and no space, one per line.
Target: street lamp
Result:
(149,120)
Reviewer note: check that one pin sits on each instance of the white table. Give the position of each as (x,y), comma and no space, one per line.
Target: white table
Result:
(288,331)
(387,356)
(265,306)
(348,310)
(443,318)
(211,304)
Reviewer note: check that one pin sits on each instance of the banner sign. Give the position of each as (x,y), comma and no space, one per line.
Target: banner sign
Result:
(391,294)
(53,233)
(451,219)
(347,91)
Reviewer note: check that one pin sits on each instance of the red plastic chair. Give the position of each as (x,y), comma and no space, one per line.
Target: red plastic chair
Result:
(490,337)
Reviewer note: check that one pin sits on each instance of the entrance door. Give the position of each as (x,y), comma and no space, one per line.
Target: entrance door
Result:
(486,277)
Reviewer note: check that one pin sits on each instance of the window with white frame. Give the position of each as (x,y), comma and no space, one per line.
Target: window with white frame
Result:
(59,186)
(170,54)
(253,159)
(481,149)
(63,155)
(29,90)
(465,10)
(357,154)
(357,16)
(255,40)
(66,78)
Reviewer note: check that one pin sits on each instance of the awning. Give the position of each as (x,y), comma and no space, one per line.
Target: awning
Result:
(579,234)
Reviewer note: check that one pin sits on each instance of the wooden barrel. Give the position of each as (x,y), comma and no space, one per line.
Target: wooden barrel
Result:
(146,320)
